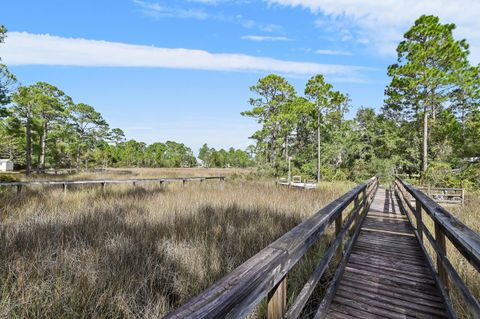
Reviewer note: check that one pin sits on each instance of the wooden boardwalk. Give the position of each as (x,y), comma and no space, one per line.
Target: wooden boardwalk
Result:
(387,274)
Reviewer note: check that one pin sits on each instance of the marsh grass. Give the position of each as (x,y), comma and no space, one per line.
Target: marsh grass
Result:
(139,252)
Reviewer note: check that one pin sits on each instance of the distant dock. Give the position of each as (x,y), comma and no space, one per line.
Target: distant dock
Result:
(296,181)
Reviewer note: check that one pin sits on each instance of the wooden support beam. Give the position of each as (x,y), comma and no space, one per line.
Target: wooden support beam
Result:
(441,243)
(277,300)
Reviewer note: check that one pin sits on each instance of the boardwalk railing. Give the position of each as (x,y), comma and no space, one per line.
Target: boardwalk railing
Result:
(445,195)
(296,181)
(465,240)
(135,181)
(265,274)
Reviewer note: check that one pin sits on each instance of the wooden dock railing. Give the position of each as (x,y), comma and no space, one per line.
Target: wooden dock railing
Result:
(465,240)
(445,195)
(103,183)
(265,274)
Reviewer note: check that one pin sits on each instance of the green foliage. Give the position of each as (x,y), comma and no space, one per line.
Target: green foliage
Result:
(431,74)
(431,113)
(271,107)
(7,79)
(8,178)
(222,158)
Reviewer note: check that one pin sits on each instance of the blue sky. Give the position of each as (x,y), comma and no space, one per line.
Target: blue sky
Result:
(180,70)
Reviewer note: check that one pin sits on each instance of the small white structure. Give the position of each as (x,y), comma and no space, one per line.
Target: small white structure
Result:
(6,165)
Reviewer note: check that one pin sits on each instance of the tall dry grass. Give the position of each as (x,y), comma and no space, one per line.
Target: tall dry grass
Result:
(139,252)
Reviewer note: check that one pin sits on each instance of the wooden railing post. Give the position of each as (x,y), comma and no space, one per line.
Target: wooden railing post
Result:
(338,229)
(277,300)
(64,188)
(356,204)
(418,217)
(19,189)
(441,243)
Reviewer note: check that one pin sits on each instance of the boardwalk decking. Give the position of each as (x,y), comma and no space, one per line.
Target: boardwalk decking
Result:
(387,275)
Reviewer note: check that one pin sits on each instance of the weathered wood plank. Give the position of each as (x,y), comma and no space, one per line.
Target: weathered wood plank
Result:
(390,304)
(395,292)
(119,181)
(430,293)
(387,274)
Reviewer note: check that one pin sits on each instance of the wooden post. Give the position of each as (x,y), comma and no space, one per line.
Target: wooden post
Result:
(64,188)
(356,203)
(364,197)
(338,229)
(19,189)
(440,240)
(183,182)
(418,217)
(463,197)
(134,183)
(103,186)
(277,300)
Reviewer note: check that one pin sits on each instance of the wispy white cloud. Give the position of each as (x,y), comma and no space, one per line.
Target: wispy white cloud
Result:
(270,28)
(332,52)
(157,10)
(209,2)
(23,48)
(382,23)
(262,38)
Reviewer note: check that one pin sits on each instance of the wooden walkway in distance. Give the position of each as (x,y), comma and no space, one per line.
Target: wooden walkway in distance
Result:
(387,274)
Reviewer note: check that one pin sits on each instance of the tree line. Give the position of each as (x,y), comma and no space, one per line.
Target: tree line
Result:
(41,126)
(211,157)
(429,123)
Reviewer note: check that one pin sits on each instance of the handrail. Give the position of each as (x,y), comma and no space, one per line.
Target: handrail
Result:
(465,240)
(103,182)
(264,274)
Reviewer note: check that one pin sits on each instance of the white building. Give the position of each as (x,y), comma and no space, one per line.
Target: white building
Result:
(6,165)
